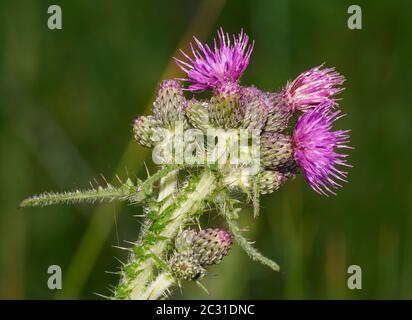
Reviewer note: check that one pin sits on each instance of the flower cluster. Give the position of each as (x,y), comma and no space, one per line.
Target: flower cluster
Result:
(183,132)
(312,147)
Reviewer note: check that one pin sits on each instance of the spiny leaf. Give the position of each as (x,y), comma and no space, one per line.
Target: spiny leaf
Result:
(228,209)
(250,250)
(128,191)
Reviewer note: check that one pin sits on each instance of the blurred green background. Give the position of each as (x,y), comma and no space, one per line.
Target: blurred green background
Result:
(68,98)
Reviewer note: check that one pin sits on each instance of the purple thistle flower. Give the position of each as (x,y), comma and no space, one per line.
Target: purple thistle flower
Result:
(315,146)
(312,88)
(219,68)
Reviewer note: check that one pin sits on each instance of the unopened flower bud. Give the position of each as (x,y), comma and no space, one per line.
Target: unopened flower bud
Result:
(197,113)
(185,266)
(224,110)
(211,245)
(145,130)
(270,181)
(169,104)
(256,106)
(276,149)
(279,113)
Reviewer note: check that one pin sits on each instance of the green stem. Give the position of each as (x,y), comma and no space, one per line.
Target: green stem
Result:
(150,251)
(126,191)
(134,193)
(159,287)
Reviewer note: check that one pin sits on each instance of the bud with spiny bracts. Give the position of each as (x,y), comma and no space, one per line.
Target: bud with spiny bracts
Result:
(270,181)
(224,109)
(186,266)
(279,114)
(198,114)
(211,245)
(276,149)
(145,130)
(255,106)
(170,103)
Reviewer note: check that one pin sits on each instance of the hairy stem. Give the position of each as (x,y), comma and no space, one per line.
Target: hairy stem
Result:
(128,191)
(159,287)
(150,251)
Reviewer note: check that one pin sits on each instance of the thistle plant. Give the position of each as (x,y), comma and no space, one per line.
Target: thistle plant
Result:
(218,154)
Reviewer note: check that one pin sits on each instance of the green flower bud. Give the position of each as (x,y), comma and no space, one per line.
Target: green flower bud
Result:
(185,266)
(169,104)
(276,149)
(270,181)
(211,245)
(145,130)
(255,105)
(197,113)
(279,115)
(225,111)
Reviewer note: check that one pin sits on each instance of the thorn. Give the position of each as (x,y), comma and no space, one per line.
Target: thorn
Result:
(141,223)
(147,169)
(122,248)
(120,261)
(179,284)
(103,296)
(202,287)
(113,272)
(104,179)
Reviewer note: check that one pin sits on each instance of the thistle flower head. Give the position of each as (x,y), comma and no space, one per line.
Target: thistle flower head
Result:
(198,114)
(170,103)
(315,146)
(211,245)
(279,113)
(145,129)
(186,266)
(219,68)
(271,180)
(255,108)
(276,149)
(312,88)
